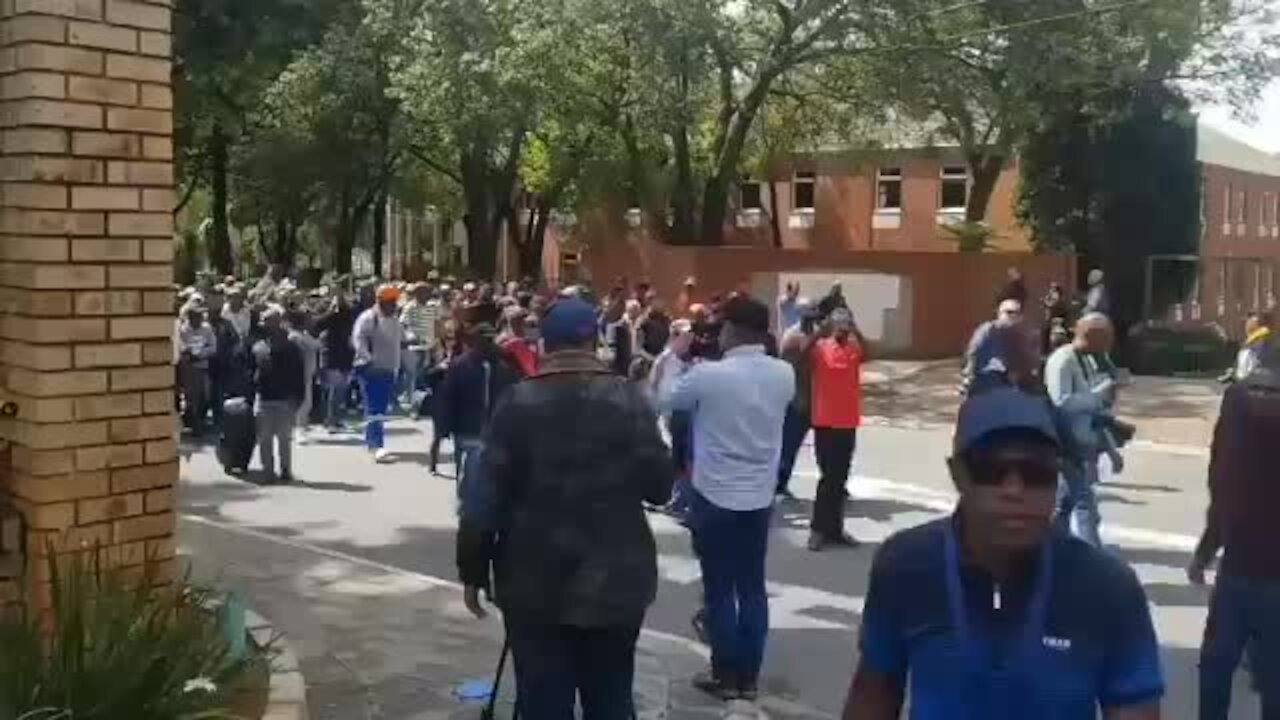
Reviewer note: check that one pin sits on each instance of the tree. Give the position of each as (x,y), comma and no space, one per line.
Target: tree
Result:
(1111,172)
(985,75)
(227,53)
(333,102)
(471,76)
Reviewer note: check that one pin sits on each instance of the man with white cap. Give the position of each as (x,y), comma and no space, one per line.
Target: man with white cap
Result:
(376,339)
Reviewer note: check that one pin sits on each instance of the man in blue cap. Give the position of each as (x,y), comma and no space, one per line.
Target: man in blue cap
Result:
(991,614)
(557,512)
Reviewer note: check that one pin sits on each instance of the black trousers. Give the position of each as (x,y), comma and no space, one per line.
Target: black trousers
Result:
(558,665)
(834,450)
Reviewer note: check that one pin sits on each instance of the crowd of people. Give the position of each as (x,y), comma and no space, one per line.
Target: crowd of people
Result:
(573,415)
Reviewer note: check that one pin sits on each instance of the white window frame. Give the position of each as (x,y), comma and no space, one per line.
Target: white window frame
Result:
(886,175)
(952,173)
(804,178)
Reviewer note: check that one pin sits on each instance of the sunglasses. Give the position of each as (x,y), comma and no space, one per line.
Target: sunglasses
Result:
(986,471)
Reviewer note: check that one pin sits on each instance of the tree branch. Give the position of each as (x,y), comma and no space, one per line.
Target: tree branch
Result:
(434,165)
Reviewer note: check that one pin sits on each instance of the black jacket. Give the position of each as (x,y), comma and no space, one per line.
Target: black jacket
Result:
(557,510)
(280,371)
(464,403)
(335,328)
(1243,490)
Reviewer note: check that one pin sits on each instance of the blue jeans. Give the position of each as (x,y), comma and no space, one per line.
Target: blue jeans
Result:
(466,453)
(1243,613)
(1077,499)
(681,427)
(337,389)
(559,664)
(376,386)
(794,430)
(731,547)
(411,362)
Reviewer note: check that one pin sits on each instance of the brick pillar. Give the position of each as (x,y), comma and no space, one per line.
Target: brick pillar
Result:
(86,255)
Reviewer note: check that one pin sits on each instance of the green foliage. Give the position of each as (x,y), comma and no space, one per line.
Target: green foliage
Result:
(1116,192)
(971,237)
(327,108)
(114,647)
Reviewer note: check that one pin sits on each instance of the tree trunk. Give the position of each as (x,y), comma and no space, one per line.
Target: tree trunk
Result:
(682,195)
(350,218)
(715,198)
(775,224)
(344,241)
(380,235)
(220,238)
(529,252)
(986,172)
(280,254)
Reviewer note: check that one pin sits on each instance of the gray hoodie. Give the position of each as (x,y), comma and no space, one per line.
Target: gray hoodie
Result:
(376,339)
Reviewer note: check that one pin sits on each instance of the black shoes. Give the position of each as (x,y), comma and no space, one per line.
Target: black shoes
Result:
(819,541)
(719,688)
(725,688)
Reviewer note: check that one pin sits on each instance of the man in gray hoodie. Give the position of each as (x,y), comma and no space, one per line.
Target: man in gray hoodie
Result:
(376,339)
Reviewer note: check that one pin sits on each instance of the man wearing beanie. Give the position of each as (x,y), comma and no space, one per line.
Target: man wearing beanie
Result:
(376,340)
(556,514)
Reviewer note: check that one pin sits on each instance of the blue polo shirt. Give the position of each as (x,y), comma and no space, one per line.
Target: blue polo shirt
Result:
(1071,633)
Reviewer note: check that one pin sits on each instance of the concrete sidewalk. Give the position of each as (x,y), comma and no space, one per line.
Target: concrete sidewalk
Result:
(376,641)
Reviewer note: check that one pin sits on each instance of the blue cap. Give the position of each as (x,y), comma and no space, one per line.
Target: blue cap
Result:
(569,322)
(1003,410)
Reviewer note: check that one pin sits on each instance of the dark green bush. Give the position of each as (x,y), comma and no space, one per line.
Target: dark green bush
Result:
(113,647)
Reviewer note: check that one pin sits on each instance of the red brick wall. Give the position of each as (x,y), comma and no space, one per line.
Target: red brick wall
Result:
(951,292)
(1240,269)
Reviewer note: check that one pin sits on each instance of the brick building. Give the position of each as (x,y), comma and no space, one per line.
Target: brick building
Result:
(1239,263)
(86,272)
(883,200)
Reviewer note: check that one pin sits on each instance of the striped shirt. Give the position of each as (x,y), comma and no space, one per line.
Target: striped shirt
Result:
(421,319)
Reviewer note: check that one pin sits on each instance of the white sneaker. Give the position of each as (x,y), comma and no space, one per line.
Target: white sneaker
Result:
(304,436)
(382,456)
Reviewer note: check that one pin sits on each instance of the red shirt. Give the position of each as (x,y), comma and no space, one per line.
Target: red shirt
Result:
(524,355)
(837,384)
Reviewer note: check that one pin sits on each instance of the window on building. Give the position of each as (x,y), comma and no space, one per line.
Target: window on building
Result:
(889,189)
(1227,215)
(1242,206)
(804,191)
(955,188)
(752,197)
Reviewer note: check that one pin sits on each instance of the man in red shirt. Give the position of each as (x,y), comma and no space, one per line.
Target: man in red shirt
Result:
(837,414)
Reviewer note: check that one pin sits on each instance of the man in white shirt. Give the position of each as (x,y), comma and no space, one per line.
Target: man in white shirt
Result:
(738,405)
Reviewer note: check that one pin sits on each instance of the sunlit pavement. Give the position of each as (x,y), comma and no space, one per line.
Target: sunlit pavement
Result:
(401,518)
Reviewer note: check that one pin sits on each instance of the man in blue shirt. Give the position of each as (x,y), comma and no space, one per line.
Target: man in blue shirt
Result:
(738,406)
(993,615)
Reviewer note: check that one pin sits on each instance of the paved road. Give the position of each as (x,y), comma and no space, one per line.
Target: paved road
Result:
(401,516)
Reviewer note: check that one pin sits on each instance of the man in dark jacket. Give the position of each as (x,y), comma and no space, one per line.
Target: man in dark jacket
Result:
(281,388)
(1243,497)
(336,359)
(469,393)
(570,458)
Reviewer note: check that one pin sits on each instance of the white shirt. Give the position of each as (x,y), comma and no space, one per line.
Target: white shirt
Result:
(738,405)
(238,320)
